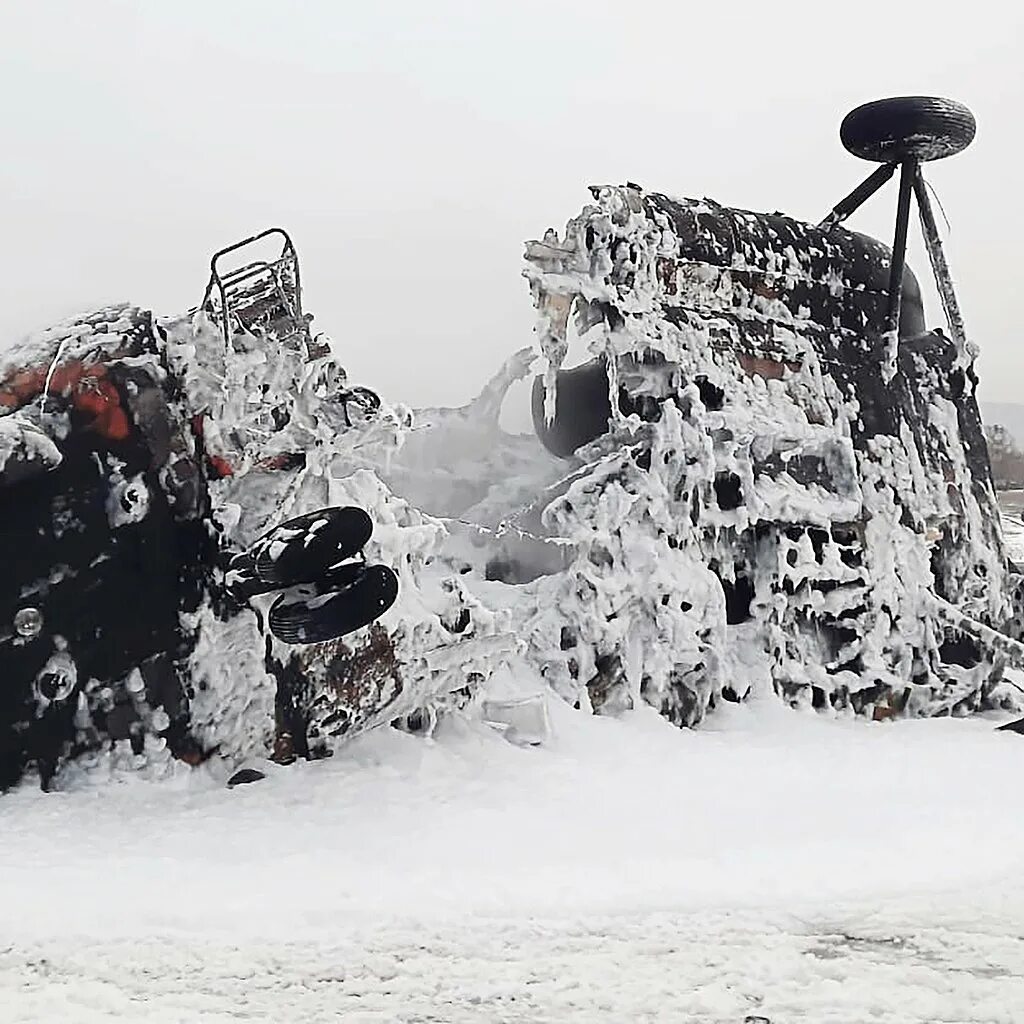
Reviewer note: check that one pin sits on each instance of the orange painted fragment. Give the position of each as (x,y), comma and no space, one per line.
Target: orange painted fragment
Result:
(220,466)
(86,387)
(769,369)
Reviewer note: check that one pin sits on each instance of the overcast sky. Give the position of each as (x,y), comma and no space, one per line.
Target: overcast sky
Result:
(411,147)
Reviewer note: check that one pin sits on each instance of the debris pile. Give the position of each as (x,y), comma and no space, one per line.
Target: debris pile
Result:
(756,484)
(778,487)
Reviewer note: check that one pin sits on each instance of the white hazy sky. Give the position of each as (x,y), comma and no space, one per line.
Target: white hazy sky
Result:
(411,147)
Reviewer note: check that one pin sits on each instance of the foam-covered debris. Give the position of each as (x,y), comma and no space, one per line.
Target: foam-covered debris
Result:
(783,501)
(774,488)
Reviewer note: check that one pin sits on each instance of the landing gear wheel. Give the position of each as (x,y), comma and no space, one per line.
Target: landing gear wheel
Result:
(301,550)
(908,128)
(308,615)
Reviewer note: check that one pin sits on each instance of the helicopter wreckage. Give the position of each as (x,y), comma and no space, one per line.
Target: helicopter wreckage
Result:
(770,477)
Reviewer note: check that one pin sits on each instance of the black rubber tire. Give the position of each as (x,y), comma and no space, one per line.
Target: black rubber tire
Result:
(306,615)
(302,549)
(908,127)
(243,583)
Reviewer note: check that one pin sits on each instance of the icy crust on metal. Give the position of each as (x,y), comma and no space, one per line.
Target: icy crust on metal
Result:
(784,501)
(47,379)
(770,512)
(22,441)
(268,415)
(239,440)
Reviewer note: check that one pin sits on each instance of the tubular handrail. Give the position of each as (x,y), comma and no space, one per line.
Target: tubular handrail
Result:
(227,283)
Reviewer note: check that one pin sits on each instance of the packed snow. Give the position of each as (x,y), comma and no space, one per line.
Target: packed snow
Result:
(772,864)
(1012,521)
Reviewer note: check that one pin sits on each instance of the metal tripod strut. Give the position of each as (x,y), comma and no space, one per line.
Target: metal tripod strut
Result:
(860,195)
(905,132)
(911,182)
(909,171)
(940,268)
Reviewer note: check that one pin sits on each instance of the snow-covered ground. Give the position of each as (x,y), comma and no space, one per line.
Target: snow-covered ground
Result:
(772,863)
(1013,533)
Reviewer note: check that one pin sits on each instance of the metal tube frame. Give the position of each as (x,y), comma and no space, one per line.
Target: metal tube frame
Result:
(908,172)
(860,195)
(911,181)
(943,278)
(289,257)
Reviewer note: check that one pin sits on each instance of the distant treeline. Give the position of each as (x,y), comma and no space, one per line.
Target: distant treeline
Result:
(1007,459)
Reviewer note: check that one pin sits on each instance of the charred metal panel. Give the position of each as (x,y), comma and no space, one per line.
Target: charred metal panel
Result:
(848,474)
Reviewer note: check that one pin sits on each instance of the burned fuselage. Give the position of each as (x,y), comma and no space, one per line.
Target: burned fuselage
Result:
(831,475)
(139,460)
(754,486)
